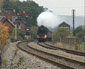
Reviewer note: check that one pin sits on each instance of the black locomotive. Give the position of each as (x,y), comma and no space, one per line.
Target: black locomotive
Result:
(43,34)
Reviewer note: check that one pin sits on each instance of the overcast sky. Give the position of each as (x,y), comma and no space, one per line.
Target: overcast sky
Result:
(63,7)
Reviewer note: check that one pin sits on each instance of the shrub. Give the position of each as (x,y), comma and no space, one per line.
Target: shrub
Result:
(4,33)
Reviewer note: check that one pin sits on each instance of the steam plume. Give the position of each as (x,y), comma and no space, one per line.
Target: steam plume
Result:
(47,19)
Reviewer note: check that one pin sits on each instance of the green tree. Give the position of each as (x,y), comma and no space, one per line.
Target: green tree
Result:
(33,32)
(78,29)
(79,34)
(20,35)
(60,33)
(33,10)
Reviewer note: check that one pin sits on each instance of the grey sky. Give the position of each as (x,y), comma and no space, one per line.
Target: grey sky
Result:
(63,7)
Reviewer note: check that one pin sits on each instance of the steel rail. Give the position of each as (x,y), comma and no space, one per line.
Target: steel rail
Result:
(51,57)
(66,50)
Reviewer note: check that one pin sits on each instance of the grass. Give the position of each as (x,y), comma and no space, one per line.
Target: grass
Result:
(82,46)
(4,43)
(77,47)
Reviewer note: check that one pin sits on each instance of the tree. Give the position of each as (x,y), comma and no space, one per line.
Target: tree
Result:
(33,10)
(20,35)
(60,33)
(79,34)
(33,32)
(3,33)
(78,29)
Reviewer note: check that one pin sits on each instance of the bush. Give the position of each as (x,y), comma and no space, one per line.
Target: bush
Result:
(13,39)
(33,32)
(20,35)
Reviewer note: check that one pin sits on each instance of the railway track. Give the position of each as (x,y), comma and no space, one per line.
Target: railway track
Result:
(50,46)
(65,63)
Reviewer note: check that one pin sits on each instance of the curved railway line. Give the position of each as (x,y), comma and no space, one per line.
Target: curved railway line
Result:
(65,63)
(50,46)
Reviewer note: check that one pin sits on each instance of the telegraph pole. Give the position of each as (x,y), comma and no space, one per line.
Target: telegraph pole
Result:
(84,15)
(16,31)
(73,22)
(84,25)
(16,22)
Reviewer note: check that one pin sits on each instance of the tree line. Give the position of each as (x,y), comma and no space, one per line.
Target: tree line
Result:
(33,10)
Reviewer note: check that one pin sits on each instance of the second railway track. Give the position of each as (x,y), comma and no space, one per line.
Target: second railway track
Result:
(50,46)
(67,63)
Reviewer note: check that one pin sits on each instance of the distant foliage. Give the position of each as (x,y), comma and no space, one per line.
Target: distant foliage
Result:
(60,33)
(3,32)
(20,35)
(80,33)
(33,32)
(33,10)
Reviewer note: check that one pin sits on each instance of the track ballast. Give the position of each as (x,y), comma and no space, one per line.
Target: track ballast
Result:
(63,62)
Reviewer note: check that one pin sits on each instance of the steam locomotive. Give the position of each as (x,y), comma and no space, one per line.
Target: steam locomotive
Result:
(43,34)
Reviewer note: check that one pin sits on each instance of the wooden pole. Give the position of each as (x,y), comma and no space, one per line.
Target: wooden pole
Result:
(73,22)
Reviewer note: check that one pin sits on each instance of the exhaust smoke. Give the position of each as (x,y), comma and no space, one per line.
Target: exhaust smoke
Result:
(48,19)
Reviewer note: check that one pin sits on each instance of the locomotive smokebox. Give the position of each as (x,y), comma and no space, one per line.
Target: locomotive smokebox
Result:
(43,34)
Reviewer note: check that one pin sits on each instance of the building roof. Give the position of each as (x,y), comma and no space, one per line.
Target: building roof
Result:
(11,22)
(64,24)
(1,17)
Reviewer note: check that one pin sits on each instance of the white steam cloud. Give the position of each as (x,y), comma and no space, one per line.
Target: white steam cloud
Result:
(47,19)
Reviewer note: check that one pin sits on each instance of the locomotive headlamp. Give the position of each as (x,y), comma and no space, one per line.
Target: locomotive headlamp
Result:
(45,36)
(28,29)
